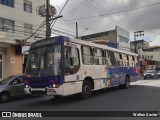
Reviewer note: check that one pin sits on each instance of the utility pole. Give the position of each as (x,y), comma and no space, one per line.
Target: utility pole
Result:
(48,29)
(137,34)
(76,30)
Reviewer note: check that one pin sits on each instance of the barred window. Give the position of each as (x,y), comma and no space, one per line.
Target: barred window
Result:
(27,29)
(27,6)
(6,25)
(9,3)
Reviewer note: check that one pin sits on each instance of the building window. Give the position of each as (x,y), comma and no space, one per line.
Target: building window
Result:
(6,25)
(27,6)
(27,29)
(9,3)
(0,66)
(123,39)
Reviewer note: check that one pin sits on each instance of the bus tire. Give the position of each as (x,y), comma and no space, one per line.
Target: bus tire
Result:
(86,89)
(127,83)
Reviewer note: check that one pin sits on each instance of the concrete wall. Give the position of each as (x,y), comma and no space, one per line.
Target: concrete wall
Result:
(108,36)
(123,39)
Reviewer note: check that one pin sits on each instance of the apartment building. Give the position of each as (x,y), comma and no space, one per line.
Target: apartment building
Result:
(18,20)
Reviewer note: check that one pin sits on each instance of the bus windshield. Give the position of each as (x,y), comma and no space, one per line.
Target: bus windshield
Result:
(45,61)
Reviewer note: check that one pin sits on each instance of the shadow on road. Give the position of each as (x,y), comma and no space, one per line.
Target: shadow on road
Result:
(77,98)
(21,98)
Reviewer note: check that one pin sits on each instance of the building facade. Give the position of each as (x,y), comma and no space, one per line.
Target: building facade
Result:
(18,20)
(149,56)
(119,37)
(152,55)
(137,46)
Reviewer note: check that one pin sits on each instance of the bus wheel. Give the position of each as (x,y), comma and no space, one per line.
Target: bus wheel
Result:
(86,89)
(127,83)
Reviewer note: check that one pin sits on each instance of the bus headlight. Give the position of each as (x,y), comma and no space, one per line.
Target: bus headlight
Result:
(54,86)
(27,86)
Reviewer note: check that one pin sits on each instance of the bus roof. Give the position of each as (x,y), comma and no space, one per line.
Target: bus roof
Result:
(87,43)
(77,41)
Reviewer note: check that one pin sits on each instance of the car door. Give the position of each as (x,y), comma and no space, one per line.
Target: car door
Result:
(17,86)
(20,85)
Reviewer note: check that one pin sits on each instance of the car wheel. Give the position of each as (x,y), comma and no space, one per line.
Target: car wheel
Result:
(86,90)
(4,97)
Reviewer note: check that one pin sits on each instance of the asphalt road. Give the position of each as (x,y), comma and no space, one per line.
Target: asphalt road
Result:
(141,96)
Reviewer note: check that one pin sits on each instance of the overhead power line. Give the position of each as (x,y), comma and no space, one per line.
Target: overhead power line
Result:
(62,32)
(53,22)
(113,13)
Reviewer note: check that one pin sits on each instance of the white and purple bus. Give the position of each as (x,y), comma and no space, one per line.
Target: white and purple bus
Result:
(61,66)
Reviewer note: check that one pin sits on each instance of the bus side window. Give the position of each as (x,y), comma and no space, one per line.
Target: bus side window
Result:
(136,61)
(87,55)
(112,58)
(98,56)
(71,57)
(118,58)
(125,59)
(107,58)
(103,57)
(133,63)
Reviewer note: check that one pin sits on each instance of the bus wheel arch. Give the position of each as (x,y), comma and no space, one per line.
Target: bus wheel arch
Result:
(87,87)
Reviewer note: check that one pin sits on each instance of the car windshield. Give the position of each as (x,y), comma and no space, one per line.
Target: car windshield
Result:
(5,80)
(45,61)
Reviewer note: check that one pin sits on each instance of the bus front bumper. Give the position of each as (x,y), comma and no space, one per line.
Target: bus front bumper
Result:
(42,91)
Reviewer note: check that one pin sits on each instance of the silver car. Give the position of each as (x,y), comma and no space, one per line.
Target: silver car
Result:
(11,86)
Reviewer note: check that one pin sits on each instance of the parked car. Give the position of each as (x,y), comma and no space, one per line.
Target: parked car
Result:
(150,74)
(11,86)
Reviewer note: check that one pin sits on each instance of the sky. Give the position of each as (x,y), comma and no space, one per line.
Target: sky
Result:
(95,16)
